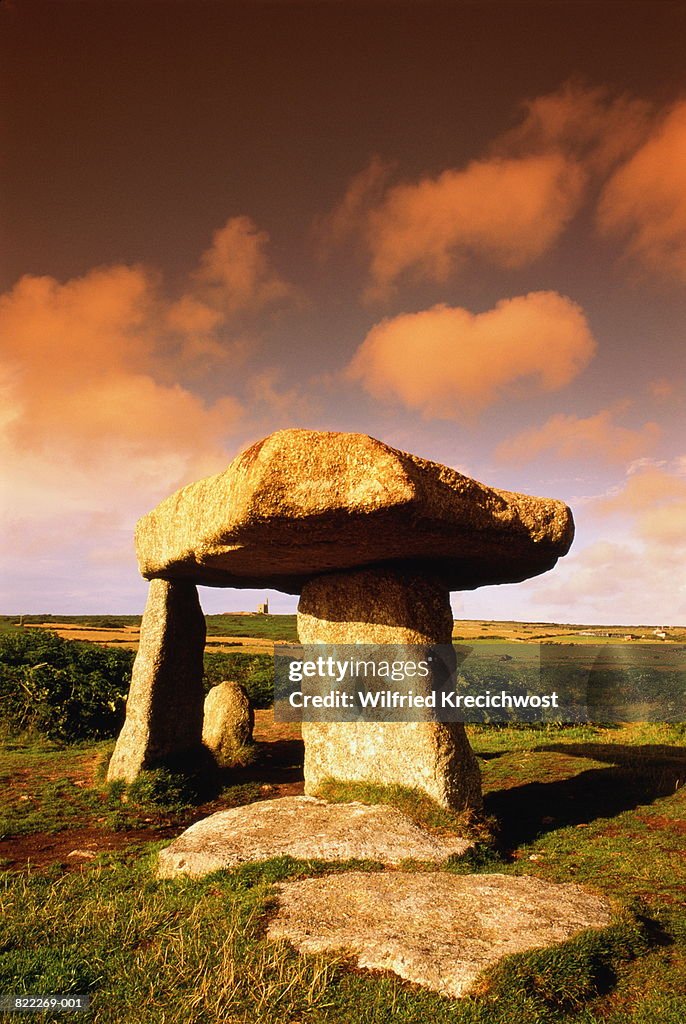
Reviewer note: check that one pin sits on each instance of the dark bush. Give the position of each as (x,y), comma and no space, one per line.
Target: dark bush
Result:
(253,671)
(70,691)
(63,689)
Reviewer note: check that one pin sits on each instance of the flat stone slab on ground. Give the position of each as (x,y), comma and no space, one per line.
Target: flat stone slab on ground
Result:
(306,828)
(432,928)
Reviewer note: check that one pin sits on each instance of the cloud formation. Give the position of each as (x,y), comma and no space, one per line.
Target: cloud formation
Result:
(608,581)
(508,207)
(649,486)
(586,124)
(447,362)
(89,424)
(644,202)
(644,520)
(98,412)
(235,273)
(348,218)
(567,436)
(509,210)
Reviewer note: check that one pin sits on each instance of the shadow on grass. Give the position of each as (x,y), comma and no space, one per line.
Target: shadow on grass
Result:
(194,780)
(278,762)
(637,775)
(654,754)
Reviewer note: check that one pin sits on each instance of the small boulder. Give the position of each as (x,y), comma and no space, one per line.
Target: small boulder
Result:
(228,722)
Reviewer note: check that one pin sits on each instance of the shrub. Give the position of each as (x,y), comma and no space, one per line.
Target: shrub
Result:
(253,671)
(65,690)
(69,690)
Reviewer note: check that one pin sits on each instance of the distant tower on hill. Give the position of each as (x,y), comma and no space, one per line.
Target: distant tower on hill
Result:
(263,608)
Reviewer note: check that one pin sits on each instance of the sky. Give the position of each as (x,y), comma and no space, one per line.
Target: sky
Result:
(457,227)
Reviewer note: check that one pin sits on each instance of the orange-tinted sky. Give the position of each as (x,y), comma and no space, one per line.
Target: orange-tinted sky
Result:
(458,227)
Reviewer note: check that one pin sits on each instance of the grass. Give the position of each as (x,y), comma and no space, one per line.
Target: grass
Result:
(417,806)
(604,807)
(566,976)
(283,628)
(93,621)
(601,806)
(195,951)
(268,627)
(47,789)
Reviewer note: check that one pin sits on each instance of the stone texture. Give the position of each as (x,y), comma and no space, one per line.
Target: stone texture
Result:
(301,503)
(164,708)
(385,607)
(300,826)
(435,929)
(227,722)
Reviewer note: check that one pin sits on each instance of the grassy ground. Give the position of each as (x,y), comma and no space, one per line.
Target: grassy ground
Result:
(604,807)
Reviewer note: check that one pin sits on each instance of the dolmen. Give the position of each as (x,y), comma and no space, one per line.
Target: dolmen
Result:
(373,540)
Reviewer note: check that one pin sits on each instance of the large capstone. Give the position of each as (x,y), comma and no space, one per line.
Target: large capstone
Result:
(164,709)
(376,606)
(301,503)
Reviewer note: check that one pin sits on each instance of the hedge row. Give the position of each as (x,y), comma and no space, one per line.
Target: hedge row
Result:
(70,691)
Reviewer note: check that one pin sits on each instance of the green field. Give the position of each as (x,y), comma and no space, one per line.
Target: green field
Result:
(271,627)
(602,807)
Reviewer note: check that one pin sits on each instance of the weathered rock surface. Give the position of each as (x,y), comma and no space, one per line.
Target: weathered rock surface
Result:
(435,929)
(301,502)
(227,722)
(164,709)
(300,826)
(385,607)
(375,606)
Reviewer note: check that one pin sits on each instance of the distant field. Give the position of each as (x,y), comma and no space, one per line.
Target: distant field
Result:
(258,633)
(252,634)
(556,632)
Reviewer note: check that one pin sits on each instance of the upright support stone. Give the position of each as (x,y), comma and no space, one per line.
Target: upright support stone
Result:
(383,606)
(164,710)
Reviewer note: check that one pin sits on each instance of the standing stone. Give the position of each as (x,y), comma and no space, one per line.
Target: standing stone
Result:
(228,722)
(164,709)
(384,606)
